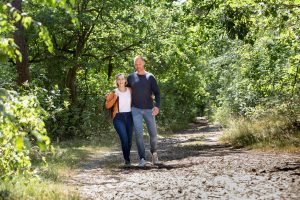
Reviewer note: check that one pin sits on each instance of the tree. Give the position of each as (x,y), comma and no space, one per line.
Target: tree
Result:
(19,39)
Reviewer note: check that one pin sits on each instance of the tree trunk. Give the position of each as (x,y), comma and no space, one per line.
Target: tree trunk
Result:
(110,70)
(72,72)
(19,38)
(295,81)
(71,84)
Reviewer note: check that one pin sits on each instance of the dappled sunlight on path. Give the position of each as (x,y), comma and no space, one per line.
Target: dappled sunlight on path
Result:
(194,166)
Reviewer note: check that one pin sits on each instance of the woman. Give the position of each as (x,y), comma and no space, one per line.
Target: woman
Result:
(120,100)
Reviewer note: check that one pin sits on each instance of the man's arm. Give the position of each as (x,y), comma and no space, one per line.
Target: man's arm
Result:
(156,91)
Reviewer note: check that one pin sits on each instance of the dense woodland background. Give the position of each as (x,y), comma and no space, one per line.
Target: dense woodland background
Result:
(236,62)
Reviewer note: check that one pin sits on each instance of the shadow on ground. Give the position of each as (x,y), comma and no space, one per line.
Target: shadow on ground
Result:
(198,141)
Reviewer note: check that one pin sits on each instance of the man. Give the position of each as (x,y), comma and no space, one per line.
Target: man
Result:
(144,86)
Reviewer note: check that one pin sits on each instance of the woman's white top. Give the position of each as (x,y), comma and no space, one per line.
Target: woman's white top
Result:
(124,100)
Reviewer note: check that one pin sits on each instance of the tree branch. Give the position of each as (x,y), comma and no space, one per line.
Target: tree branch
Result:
(47,58)
(127,48)
(289,5)
(94,23)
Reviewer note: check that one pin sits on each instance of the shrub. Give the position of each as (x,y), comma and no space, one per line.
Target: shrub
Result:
(21,127)
(222,115)
(275,127)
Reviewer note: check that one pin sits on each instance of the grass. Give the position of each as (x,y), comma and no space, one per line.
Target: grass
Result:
(69,154)
(47,181)
(271,132)
(21,187)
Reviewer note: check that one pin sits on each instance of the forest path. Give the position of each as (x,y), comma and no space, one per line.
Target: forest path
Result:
(195,166)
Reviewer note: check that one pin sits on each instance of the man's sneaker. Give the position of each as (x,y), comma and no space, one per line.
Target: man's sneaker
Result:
(155,159)
(142,163)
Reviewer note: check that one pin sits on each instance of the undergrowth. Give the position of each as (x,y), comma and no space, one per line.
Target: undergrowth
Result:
(272,130)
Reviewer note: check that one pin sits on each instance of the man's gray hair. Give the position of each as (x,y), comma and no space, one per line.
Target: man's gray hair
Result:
(138,57)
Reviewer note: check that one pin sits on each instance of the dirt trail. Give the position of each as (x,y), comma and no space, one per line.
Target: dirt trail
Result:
(195,166)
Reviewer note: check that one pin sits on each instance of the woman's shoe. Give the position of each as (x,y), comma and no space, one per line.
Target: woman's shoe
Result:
(127,163)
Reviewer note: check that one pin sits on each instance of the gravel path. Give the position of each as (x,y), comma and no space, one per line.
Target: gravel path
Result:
(195,166)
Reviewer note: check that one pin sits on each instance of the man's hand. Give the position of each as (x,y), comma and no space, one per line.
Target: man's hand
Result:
(155,111)
(106,96)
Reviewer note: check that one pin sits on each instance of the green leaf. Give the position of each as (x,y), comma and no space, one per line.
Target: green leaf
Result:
(51,3)
(16,16)
(19,143)
(41,145)
(72,2)
(26,21)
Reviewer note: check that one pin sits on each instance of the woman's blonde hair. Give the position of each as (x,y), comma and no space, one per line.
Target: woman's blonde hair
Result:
(117,76)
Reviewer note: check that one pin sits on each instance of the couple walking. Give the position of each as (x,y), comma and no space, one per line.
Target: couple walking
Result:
(132,102)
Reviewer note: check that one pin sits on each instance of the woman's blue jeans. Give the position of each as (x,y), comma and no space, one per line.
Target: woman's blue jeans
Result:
(138,116)
(124,126)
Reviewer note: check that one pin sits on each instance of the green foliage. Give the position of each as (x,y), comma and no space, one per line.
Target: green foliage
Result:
(274,127)
(87,119)
(7,76)
(106,46)
(211,58)
(21,127)
(229,60)
(242,75)
(181,102)
(222,115)
(9,16)
(33,188)
(7,45)
(237,21)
